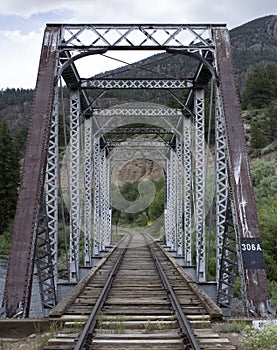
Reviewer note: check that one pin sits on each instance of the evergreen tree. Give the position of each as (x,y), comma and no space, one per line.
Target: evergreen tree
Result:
(264,130)
(261,87)
(9,175)
(20,138)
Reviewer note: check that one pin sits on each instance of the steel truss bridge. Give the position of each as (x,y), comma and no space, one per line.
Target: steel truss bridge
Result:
(197,181)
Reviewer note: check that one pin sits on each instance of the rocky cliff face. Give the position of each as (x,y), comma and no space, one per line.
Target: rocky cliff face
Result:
(136,170)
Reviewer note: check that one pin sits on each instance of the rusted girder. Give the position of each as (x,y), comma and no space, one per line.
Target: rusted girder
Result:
(17,294)
(249,245)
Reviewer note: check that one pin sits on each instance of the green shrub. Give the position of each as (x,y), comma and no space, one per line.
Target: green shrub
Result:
(5,243)
(260,339)
(272,286)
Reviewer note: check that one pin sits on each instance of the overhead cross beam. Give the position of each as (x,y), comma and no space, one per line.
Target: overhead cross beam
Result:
(137,36)
(136,84)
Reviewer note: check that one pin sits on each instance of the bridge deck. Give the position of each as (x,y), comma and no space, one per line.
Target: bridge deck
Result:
(137,311)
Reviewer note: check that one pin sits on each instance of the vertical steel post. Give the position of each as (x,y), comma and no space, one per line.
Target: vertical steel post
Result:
(74,183)
(87,252)
(187,190)
(200,185)
(102,187)
(166,210)
(52,185)
(221,180)
(96,197)
(173,196)
(171,215)
(226,257)
(106,203)
(179,196)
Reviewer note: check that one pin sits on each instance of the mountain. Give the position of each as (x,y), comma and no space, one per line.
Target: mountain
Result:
(253,44)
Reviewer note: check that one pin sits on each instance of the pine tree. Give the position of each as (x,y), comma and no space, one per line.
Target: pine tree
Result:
(9,175)
(260,87)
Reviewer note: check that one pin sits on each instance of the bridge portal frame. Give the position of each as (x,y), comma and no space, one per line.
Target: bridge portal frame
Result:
(63,44)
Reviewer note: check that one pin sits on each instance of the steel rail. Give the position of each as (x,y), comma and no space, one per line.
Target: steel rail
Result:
(87,334)
(187,333)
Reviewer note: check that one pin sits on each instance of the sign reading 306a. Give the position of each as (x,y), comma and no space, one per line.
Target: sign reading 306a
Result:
(252,253)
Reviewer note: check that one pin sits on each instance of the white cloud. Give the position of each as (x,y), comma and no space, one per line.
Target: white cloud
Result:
(232,12)
(19,58)
(27,8)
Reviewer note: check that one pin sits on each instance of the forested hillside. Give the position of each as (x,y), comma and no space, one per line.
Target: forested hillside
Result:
(254,44)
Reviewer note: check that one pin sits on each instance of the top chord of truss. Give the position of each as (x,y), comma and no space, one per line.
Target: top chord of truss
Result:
(136,36)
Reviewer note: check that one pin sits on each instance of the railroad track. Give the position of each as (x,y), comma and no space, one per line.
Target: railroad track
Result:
(137,298)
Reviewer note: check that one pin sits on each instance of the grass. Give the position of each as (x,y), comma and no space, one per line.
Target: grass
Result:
(154,325)
(43,340)
(100,320)
(116,325)
(232,327)
(4,346)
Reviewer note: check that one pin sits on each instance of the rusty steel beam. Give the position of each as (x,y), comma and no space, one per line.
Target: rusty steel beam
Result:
(249,244)
(17,293)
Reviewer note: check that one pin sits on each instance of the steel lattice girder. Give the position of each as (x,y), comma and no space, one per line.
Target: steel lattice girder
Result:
(138,130)
(136,84)
(96,197)
(45,268)
(200,185)
(105,200)
(187,191)
(136,144)
(170,217)
(102,202)
(47,232)
(173,196)
(159,120)
(221,180)
(75,199)
(179,196)
(52,186)
(103,37)
(88,191)
(153,112)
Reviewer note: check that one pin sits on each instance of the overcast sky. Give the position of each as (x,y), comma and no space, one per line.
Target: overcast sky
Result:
(22,23)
